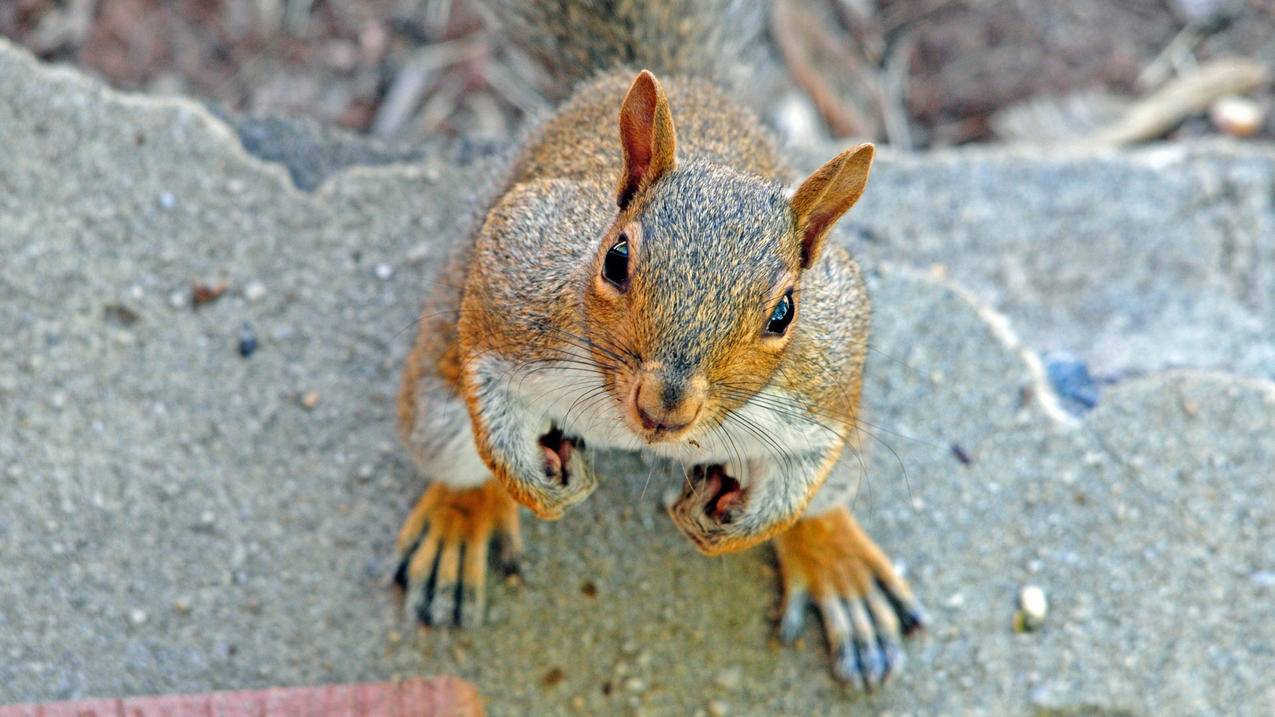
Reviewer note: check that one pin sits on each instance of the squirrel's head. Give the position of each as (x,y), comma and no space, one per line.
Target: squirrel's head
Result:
(695,289)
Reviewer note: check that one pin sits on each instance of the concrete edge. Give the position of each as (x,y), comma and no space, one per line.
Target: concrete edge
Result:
(1001,329)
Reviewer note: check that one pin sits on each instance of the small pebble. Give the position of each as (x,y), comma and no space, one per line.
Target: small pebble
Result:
(182,605)
(247,341)
(201,293)
(1070,379)
(635,684)
(167,200)
(729,679)
(553,677)
(1032,608)
(310,400)
(137,616)
(1237,116)
(177,300)
(1264,578)
(254,291)
(384,272)
(717,708)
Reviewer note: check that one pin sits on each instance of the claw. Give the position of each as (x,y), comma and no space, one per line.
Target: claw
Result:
(911,615)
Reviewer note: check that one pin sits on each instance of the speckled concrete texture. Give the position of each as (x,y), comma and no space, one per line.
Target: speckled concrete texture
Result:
(175,517)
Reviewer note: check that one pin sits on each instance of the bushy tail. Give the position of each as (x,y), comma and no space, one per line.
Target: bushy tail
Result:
(574,39)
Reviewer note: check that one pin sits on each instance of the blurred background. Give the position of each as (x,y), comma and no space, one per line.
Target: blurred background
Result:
(914,73)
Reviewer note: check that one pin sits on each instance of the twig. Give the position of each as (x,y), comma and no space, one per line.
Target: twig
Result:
(440,105)
(893,86)
(1165,108)
(414,79)
(514,90)
(842,119)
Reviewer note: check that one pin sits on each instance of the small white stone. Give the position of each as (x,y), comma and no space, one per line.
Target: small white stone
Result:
(1237,116)
(1264,578)
(167,200)
(254,291)
(635,684)
(177,299)
(717,708)
(1034,606)
(384,272)
(137,616)
(729,679)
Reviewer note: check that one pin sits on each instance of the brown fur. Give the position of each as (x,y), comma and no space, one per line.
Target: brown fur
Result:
(831,555)
(445,519)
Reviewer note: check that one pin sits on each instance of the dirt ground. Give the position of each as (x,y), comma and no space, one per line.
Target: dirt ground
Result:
(920,73)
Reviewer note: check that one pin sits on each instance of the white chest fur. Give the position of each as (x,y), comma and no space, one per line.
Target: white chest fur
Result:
(574,398)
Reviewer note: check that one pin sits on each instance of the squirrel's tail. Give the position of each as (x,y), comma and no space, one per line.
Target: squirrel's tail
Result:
(575,39)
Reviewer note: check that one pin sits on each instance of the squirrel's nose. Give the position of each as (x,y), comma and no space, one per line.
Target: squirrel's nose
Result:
(667,407)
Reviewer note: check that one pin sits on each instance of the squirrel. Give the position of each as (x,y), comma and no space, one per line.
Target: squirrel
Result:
(642,279)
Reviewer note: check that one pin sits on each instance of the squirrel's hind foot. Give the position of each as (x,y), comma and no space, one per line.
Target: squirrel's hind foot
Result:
(443,551)
(865,605)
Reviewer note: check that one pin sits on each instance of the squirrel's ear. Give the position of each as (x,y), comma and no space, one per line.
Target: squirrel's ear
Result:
(826,195)
(646,136)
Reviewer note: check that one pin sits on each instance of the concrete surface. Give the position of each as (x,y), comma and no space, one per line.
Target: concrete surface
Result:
(1134,261)
(174,518)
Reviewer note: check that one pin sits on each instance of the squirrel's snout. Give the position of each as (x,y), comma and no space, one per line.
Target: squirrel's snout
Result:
(666,408)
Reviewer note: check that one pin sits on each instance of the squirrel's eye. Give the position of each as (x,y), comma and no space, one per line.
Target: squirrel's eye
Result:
(615,267)
(781,316)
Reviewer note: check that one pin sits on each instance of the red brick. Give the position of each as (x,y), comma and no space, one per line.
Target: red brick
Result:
(168,706)
(237,704)
(83,708)
(417,697)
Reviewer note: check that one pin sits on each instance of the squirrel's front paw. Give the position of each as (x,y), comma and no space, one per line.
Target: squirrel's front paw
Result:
(564,478)
(442,550)
(710,511)
(866,606)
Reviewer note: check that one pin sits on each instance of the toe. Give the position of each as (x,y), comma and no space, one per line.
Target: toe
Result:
(836,625)
(419,574)
(444,602)
(473,590)
(793,618)
(869,658)
(889,638)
